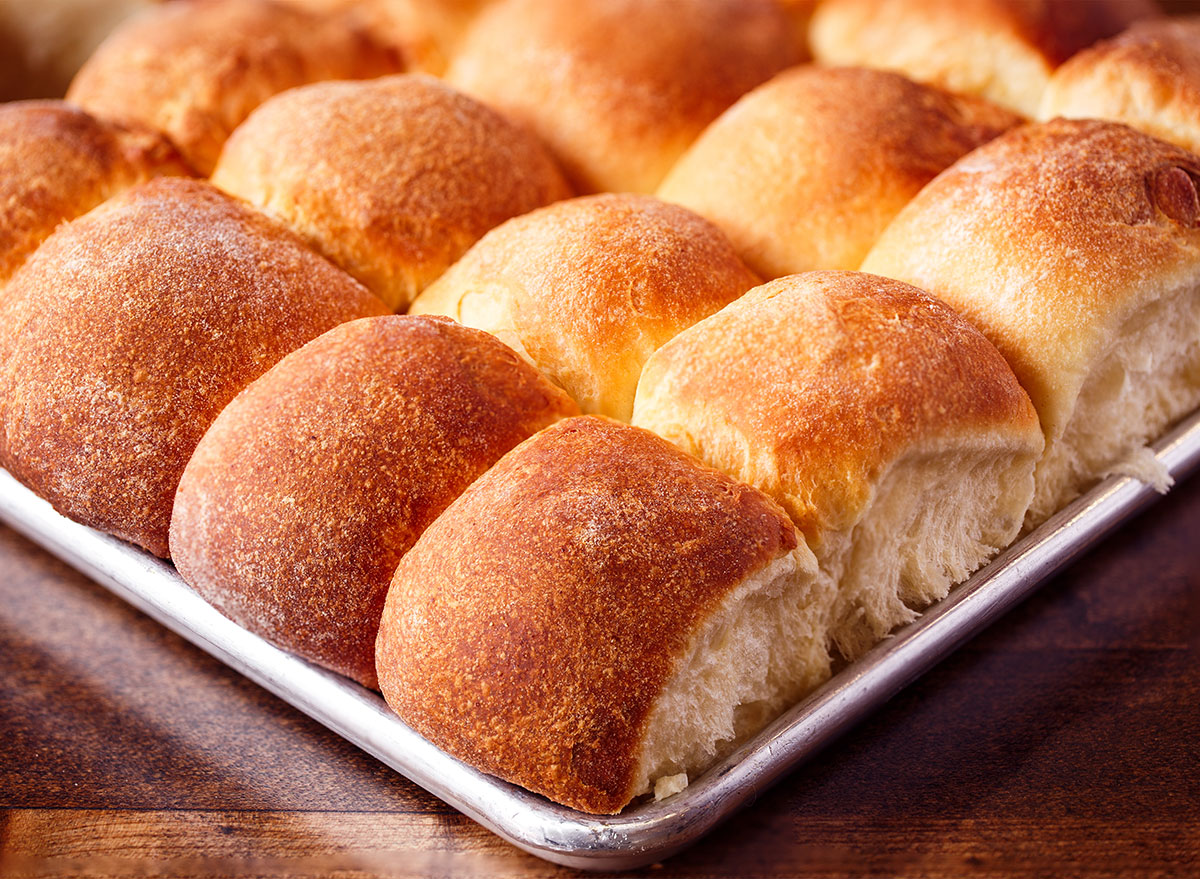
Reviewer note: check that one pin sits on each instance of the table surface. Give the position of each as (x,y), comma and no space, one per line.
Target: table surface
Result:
(1064,741)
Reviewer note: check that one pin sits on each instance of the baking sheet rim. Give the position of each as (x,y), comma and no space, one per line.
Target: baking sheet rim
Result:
(650,831)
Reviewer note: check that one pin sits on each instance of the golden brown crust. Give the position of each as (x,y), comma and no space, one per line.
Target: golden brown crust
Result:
(619,88)
(1147,77)
(1046,239)
(131,328)
(194,69)
(1004,50)
(812,386)
(533,625)
(58,162)
(309,487)
(427,32)
(589,288)
(391,179)
(808,169)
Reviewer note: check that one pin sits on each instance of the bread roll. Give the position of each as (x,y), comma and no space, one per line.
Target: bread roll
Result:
(1074,247)
(391,179)
(309,487)
(43,42)
(890,430)
(1147,77)
(194,69)
(427,32)
(57,162)
(598,615)
(1004,50)
(128,331)
(619,88)
(808,169)
(587,289)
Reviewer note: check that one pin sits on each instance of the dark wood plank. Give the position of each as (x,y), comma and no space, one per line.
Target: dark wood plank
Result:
(1065,741)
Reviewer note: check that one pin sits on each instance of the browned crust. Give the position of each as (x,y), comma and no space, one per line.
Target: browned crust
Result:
(309,487)
(1004,49)
(131,328)
(533,625)
(426,31)
(593,286)
(808,169)
(1047,238)
(812,386)
(1055,29)
(391,179)
(58,162)
(1147,77)
(194,69)
(619,88)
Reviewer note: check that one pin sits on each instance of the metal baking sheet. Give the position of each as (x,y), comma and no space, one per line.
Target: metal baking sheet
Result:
(650,831)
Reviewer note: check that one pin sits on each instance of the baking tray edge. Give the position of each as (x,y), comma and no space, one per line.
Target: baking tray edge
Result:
(651,831)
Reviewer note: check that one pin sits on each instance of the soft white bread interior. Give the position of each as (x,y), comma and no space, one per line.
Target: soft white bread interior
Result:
(599,615)
(1147,77)
(1004,50)
(587,289)
(1075,247)
(619,88)
(391,179)
(808,169)
(890,430)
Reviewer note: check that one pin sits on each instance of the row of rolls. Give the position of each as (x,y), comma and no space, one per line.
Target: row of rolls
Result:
(716,367)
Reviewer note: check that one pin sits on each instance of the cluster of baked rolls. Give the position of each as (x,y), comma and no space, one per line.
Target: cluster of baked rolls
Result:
(718,364)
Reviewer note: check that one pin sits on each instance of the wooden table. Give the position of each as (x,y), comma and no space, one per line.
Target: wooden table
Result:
(1063,742)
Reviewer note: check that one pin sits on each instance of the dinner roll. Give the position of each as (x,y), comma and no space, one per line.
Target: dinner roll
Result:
(807,170)
(43,42)
(1147,77)
(391,179)
(194,69)
(427,32)
(587,289)
(130,328)
(598,616)
(890,430)
(1074,247)
(308,488)
(1004,50)
(619,88)
(58,162)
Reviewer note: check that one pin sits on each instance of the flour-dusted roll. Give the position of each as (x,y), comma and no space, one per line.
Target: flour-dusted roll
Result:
(890,430)
(808,169)
(587,289)
(1074,246)
(131,327)
(194,69)
(309,487)
(619,88)
(1147,77)
(58,162)
(1004,50)
(427,32)
(599,616)
(391,179)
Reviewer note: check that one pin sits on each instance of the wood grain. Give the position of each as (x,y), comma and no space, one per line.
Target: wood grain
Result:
(1065,742)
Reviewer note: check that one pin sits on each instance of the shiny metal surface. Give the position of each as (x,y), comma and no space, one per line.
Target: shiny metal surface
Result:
(651,831)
